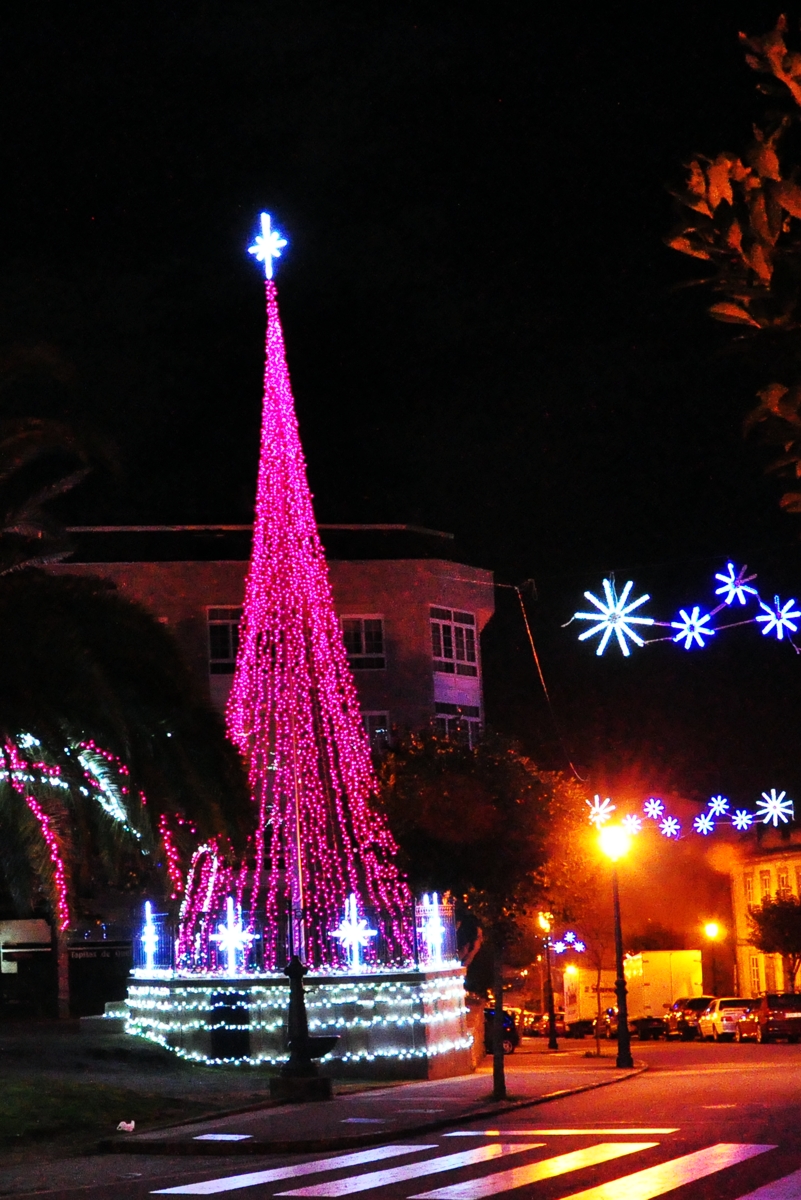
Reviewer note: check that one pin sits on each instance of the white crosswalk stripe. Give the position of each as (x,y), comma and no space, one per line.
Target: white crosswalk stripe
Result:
(788,1188)
(549,1168)
(231,1183)
(431,1166)
(655,1181)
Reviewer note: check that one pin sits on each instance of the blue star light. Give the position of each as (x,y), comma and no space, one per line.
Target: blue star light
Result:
(559,947)
(774,808)
(742,819)
(569,937)
(692,628)
(600,811)
(718,805)
(653,808)
(267,246)
(614,616)
(777,619)
(580,947)
(703,824)
(632,824)
(670,827)
(735,585)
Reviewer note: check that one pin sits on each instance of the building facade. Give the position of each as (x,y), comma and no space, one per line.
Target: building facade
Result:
(411,617)
(771,868)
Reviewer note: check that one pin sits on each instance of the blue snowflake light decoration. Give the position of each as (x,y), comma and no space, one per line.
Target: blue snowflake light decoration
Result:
(559,947)
(614,615)
(718,806)
(773,808)
(735,585)
(693,628)
(742,819)
(632,824)
(778,618)
(600,811)
(580,947)
(569,937)
(670,827)
(704,824)
(653,808)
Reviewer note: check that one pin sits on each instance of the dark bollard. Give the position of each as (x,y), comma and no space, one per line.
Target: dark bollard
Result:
(299,1078)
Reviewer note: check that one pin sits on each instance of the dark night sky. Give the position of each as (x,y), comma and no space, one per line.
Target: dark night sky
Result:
(485,330)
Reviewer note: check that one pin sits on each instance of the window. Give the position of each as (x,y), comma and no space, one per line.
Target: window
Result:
(753,963)
(783,880)
(453,642)
(458,722)
(376,726)
(748,881)
(364,642)
(223,639)
(764,885)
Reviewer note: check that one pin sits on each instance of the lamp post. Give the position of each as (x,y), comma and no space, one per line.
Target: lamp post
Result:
(544,920)
(713,932)
(614,843)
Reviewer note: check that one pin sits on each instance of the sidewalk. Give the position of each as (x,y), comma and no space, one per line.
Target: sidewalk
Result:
(533,1076)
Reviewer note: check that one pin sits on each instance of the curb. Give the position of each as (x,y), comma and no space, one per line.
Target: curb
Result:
(348,1141)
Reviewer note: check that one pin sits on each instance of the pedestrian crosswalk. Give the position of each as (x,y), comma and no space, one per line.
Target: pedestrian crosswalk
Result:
(512,1161)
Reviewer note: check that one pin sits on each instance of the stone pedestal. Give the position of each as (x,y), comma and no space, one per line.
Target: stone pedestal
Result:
(389,1024)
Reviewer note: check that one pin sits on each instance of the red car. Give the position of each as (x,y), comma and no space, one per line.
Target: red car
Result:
(772,1016)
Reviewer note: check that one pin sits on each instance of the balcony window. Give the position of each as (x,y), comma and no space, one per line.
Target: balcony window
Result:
(453,641)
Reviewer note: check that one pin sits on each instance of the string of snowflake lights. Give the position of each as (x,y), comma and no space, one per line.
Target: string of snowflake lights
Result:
(772,809)
(694,626)
(568,941)
(293,711)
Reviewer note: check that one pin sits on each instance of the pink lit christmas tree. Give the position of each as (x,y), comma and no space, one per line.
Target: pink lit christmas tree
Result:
(293,710)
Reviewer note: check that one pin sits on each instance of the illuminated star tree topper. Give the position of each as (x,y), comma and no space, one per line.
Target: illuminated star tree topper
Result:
(267,246)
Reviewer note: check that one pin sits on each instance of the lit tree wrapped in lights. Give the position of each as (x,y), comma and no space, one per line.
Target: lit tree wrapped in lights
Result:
(293,710)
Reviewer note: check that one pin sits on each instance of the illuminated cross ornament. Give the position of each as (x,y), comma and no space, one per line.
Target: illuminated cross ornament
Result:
(433,929)
(267,246)
(231,938)
(149,938)
(353,933)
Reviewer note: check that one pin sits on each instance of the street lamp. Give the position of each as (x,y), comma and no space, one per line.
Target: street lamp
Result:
(615,843)
(713,932)
(544,920)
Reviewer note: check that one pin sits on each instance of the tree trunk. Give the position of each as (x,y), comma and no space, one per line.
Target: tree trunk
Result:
(598,1006)
(63,974)
(498,1075)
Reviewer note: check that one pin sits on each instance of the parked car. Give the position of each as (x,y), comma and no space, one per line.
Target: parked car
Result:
(681,1019)
(542,1024)
(777,1015)
(511,1036)
(719,1019)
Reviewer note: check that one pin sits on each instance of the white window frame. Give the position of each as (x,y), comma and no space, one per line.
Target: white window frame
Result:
(376,726)
(365,661)
(233,620)
(454,641)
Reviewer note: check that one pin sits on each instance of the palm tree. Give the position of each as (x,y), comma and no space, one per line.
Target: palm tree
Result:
(104,734)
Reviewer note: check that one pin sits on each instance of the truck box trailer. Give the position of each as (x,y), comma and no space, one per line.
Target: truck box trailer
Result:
(581,998)
(654,979)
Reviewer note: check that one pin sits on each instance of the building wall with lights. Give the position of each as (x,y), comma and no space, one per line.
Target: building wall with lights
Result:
(770,868)
(412,623)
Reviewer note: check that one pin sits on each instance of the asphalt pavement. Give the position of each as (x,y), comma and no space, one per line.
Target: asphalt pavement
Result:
(702,1122)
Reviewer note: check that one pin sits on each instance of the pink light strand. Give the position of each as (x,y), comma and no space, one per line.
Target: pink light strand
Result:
(294,713)
(59,874)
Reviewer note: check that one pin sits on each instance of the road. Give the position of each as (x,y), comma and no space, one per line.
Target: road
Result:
(703,1122)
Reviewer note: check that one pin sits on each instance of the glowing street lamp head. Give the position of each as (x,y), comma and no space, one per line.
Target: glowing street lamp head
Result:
(614,841)
(544,921)
(713,931)
(267,246)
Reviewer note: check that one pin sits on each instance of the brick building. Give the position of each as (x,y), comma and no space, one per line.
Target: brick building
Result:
(411,616)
